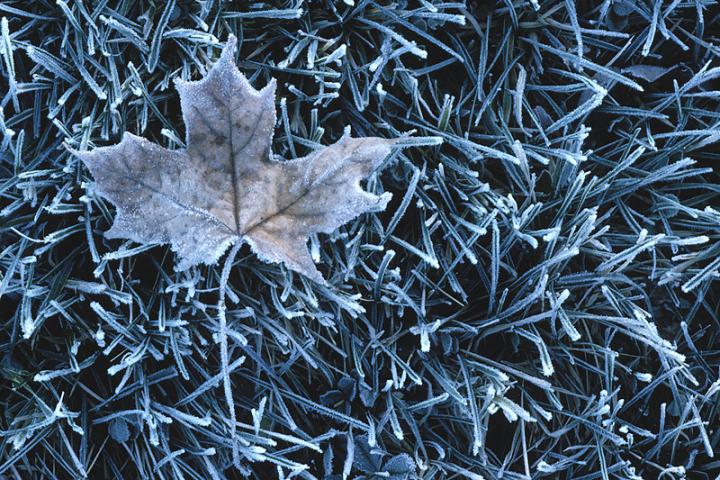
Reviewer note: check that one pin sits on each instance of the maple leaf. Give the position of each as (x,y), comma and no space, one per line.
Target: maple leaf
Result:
(224,187)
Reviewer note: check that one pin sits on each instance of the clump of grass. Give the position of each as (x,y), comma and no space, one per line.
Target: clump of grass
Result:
(539,300)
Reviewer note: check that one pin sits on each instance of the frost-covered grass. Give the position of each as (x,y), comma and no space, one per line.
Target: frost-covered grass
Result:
(540,298)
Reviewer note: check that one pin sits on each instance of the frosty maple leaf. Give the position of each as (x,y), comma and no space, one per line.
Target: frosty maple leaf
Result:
(224,187)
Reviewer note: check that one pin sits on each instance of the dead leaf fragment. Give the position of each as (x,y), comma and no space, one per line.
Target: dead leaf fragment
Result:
(224,187)
(649,73)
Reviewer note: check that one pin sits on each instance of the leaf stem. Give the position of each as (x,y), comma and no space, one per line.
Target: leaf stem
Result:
(224,361)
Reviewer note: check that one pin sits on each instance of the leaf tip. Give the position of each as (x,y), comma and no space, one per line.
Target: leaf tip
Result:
(317,277)
(270,89)
(71,150)
(228,52)
(384,199)
(84,156)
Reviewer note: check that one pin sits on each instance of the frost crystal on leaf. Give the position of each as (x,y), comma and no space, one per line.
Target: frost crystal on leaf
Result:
(224,187)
